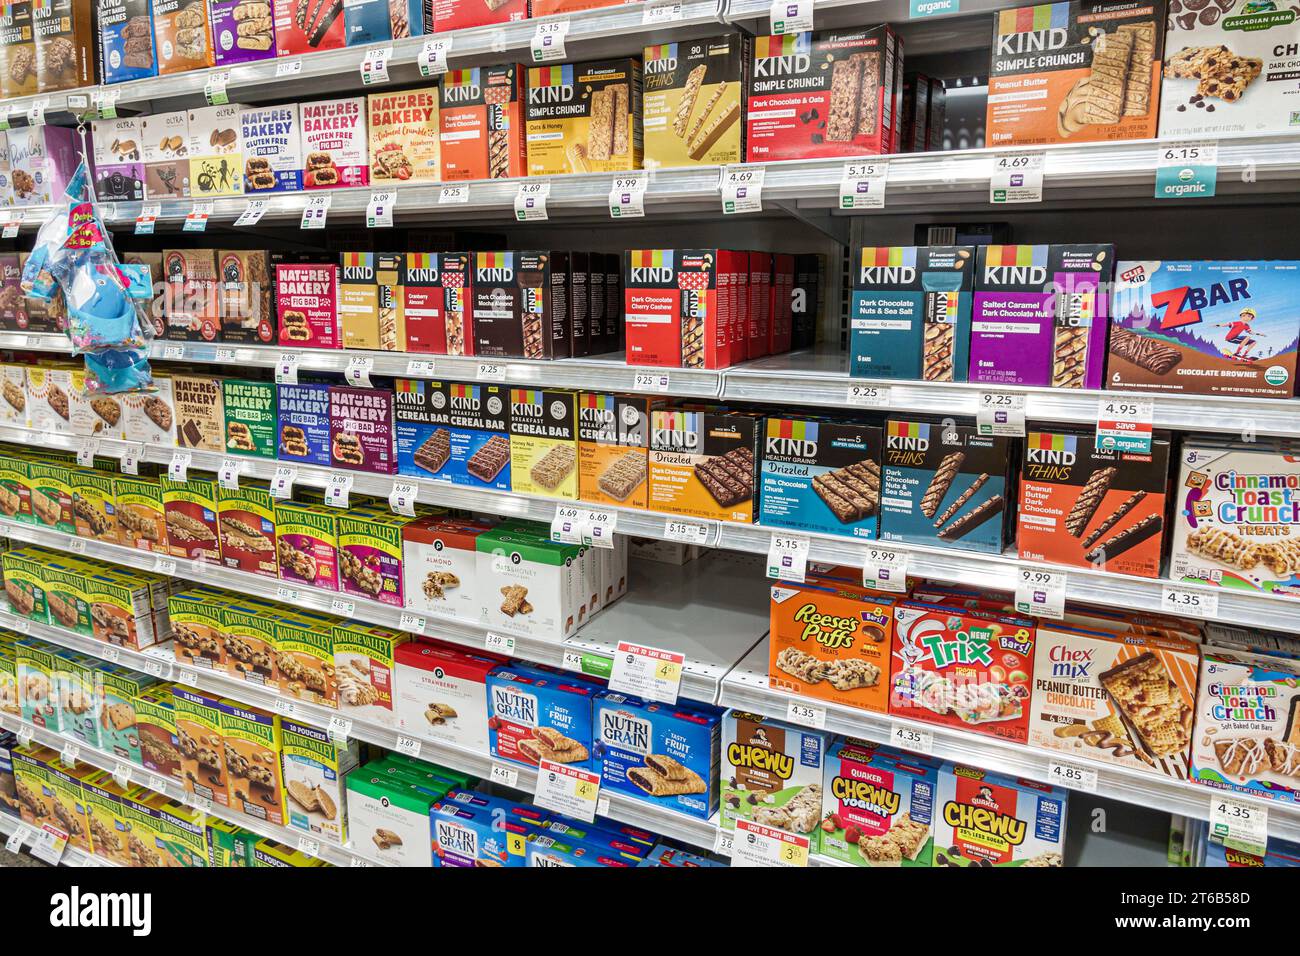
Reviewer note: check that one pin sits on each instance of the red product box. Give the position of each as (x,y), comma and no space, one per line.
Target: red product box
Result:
(673,314)
(435,292)
(739,342)
(544,8)
(320,26)
(760,306)
(306,304)
(459,14)
(780,329)
(481,123)
(963,669)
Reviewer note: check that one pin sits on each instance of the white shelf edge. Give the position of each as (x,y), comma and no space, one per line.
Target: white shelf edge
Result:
(72,856)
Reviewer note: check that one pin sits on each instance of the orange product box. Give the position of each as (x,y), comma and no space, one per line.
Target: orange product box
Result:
(462,14)
(613,438)
(481,123)
(182,36)
(830,647)
(702,463)
(545,8)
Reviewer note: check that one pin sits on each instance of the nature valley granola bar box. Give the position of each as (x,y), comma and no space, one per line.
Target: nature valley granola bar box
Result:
(370,555)
(988,819)
(52,496)
(182,34)
(334,143)
(253,776)
(198,736)
(25,587)
(94,503)
(305,657)
(246,517)
(67,594)
(16,490)
(692,109)
(481,123)
(315,768)
(250,417)
(248,632)
(544,442)
(190,511)
(106,818)
(307,537)
(141,514)
(403,136)
(364,661)
(36,666)
(197,637)
(584,117)
(155,712)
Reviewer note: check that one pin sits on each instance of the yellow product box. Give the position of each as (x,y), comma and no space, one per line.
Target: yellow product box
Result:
(198,738)
(24,572)
(69,803)
(403,138)
(94,503)
(32,784)
(181,838)
(155,721)
(106,817)
(52,495)
(253,778)
(584,117)
(190,509)
(304,657)
(121,610)
(702,463)
(544,442)
(370,301)
(613,437)
(268,853)
(141,514)
(692,107)
(364,662)
(146,836)
(314,771)
(198,638)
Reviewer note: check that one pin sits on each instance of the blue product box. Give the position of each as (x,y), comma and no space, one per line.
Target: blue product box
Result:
(534,715)
(126,41)
(369,21)
(304,423)
(911,313)
(421,408)
(1280,853)
(478,833)
(670,856)
(544,849)
(623,840)
(471,414)
(821,476)
(665,754)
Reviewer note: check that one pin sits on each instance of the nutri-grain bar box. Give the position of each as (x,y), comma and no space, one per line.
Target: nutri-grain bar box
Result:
(65,43)
(1040,315)
(1075,72)
(435,288)
(544,442)
(481,123)
(182,35)
(216,151)
(613,439)
(692,106)
(403,135)
(584,117)
(361,429)
(242,31)
(681,306)
(273,159)
(119,173)
(165,150)
(820,94)
(307,304)
(459,14)
(305,26)
(334,143)
(126,50)
(702,463)
(304,421)
(820,476)
(510,305)
(250,417)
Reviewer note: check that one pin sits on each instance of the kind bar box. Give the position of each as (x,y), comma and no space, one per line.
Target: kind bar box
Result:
(216,151)
(772,773)
(613,438)
(1208,328)
(481,123)
(19,75)
(435,313)
(584,117)
(119,174)
(361,429)
(987,819)
(510,305)
(250,417)
(183,38)
(945,485)
(242,31)
(273,159)
(403,136)
(166,150)
(679,306)
(441,693)
(544,442)
(824,94)
(370,300)
(307,297)
(1040,315)
(1075,72)
(536,715)
(305,27)
(1092,508)
(304,419)
(820,476)
(422,416)
(912,313)
(334,143)
(702,464)
(879,806)
(479,439)
(126,50)
(65,44)
(693,92)
(1125,699)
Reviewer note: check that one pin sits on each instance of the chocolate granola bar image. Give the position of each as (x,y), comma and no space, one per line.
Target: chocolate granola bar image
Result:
(964,497)
(800,813)
(243,535)
(434,452)
(159,412)
(937,352)
(623,475)
(972,519)
(1069,357)
(1117,544)
(486,463)
(941,482)
(553,467)
(1143,352)
(359,573)
(62,608)
(10,503)
(728,478)
(1126,506)
(1090,498)
(851,493)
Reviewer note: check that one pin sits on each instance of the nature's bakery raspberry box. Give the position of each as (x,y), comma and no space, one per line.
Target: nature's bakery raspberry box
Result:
(307,304)
(334,143)
(1075,72)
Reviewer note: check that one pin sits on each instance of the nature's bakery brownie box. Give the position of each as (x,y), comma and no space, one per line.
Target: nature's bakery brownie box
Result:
(181,32)
(1075,72)
(459,14)
(166,150)
(307,304)
(65,44)
(242,31)
(584,117)
(334,143)
(702,464)
(544,442)
(403,135)
(273,159)
(200,412)
(481,123)
(987,819)
(305,26)
(613,443)
(692,101)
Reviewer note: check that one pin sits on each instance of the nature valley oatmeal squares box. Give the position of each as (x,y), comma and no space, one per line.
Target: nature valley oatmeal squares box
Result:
(190,511)
(314,770)
(692,107)
(584,117)
(613,442)
(253,775)
(166,139)
(334,143)
(198,738)
(273,158)
(364,657)
(182,35)
(216,151)
(544,442)
(701,464)
(305,658)
(403,136)
(246,518)
(481,123)
(988,819)
(307,543)
(250,417)
(771,773)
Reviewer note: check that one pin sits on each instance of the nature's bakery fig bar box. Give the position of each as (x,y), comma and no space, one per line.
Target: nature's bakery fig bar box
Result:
(692,106)
(1075,72)
(584,117)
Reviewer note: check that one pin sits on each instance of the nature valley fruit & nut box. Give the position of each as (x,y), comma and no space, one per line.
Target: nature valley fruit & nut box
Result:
(878,806)
(988,819)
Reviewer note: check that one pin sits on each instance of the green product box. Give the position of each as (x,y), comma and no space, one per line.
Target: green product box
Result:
(181,835)
(16,489)
(228,844)
(66,596)
(37,666)
(80,696)
(52,496)
(268,853)
(250,417)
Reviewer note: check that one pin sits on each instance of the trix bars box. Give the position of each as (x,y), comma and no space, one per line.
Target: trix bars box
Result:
(584,117)
(820,476)
(435,287)
(1040,315)
(510,305)
(911,313)
(691,111)
(481,123)
(681,307)
(821,94)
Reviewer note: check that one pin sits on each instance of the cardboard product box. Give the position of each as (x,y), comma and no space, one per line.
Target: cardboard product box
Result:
(473,829)
(529,585)
(936,116)
(403,135)
(190,508)
(119,173)
(155,711)
(370,300)
(314,770)
(67,595)
(361,429)
(474,449)
(36,665)
(459,14)
(481,123)
(779,764)
(370,555)
(674,309)
(759,319)
(92,413)
(250,417)
(879,805)
(1278,852)
(435,288)
(1076,72)
(199,411)
(307,542)
(25,588)
(584,117)
(693,93)
(307,305)
(246,518)
(544,442)
(544,8)
(13,314)
(614,331)
(995,820)
(911,313)
(375,21)
(963,669)
(577,295)
(364,656)
(273,155)
(945,485)
(702,464)
(9,704)
(182,35)
(441,693)
(1209,328)
(216,150)
(19,75)
(122,609)
(49,388)
(613,438)
(118,732)
(65,44)
(106,818)
(271,855)
(819,94)
(596,300)
(248,635)
(68,802)
(334,143)
(243,31)
(422,415)
(16,490)
(52,496)
(244,297)
(196,619)
(915,111)
(536,715)
(780,331)
(561,308)
(1092,508)
(439,562)
(198,737)
(31,783)
(165,151)
(510,305)
(191,295)
(304,418)
(80,696)
(307,28)
(94,504)
(304,657)
(229,845)
(1040,315)
(252,741)
(821,476)
(42,160)
(126,40)
(392,814)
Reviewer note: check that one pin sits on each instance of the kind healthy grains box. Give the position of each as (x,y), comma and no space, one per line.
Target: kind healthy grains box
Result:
(820,476)
(692,104)
(584,117)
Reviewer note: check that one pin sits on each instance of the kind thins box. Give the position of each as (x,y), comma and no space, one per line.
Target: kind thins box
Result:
(879,806)
(821,476)
(481,122)
(988,819)
(702,464)
(693,92)
(584,117)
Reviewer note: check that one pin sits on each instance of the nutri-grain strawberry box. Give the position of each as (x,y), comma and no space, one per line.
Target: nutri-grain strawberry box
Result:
(334,143)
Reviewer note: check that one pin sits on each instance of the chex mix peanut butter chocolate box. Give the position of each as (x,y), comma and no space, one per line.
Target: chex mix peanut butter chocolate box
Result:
(878,805)
(613,437)
(435,288)
(692,107)
(988,819)
(682,307)
(820,476)
(771,773)
(1075,72)
(702,463)
(403,136)
(584,117)
(544,442)
(481,119)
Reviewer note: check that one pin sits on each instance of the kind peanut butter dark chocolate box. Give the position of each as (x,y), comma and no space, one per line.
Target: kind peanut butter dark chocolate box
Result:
(701,463)
(1092,508)
(510,305)
(65,44)
(584,117)
(435,290)
(693,94)
(613,443)
(544,442)
(481,123)
(680,309)
(821,476)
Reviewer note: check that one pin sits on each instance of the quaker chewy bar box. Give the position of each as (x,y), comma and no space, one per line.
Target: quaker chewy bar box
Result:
(820,476)
(118,146)
(1040,315)
(126,49)
(911,313)
(988,819)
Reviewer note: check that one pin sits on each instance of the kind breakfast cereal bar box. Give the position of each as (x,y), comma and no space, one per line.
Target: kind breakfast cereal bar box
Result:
(962,669)
(304,417)
(307,304)
(441,693)
(304,657)
(701,464)
(1075,72)
(613,439)
(252,741)
(200,412)
(165,151)
(536,715)
(273,158)
(434,288)
(18,70)
(403,136)
(307,541)
(480,431)
(246,517)
(65,44)
(990,819)
(305,26)
(911,313)
(440,558)
(1125,700)
(198,738)
(820,94)
(370,555)
(544,442)
(459,14)
(879,806)
(315,766)
(126,41)
(1236,517)
(664,754)
(361,429)
(334,143)
(250,417)
(370,300)
(481,123)
(1089,508)
(364,656)
(946,485)
(529,585)
(771,773)
(182,34)
(693,92)
(190,508)
(1040,315)
(584,117)
(1208,328)
(216,151)
(422,417)
(679,307)
(119,174)
(820,476)
(242,31)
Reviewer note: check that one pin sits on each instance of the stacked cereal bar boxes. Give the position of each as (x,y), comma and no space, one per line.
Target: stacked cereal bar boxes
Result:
(988,819)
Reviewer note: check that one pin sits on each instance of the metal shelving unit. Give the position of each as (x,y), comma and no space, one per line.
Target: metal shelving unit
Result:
(71,855)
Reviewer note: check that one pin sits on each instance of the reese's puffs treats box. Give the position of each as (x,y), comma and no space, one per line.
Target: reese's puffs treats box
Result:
(613,439)
(701,463)
(584,117)
(544,442)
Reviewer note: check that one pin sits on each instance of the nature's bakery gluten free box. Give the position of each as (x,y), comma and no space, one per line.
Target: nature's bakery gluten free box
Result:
(692,101)
(1075,72)
(584,117)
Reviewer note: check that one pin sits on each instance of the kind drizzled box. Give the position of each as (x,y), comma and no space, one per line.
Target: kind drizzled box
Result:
(334,143)
(306,297)
(361,429)
(305,26)
(701,463)
(165,151)
(1090,508)
(1209,328)
(118,146)
(680,307)
(879,805)
(435,289)
(65,42)
(911,313)
(481,123)
(374,21)
(537,715)
(403,136)
(584,117)
(273,157)
(692,101)
(126,41)
(613,442)
(242,31)
(985,818)
(771,773)
(1040,315)
(1075,72)
(820,476)
(544,442)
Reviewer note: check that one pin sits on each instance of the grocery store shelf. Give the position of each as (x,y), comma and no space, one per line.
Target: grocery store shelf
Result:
(746,687)
(71,855)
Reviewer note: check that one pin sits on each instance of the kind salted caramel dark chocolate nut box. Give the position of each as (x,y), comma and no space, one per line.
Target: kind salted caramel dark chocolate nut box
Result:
(370,300)
(511,305)
(702,463)
(435,289)
(584,117)
(481,118)
(693,93)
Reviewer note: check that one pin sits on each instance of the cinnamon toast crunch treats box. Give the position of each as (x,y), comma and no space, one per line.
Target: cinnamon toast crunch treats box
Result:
(692,106)
(771,773)
(584,117)
(481,123)
(403,136)
(878,806)
(990,819)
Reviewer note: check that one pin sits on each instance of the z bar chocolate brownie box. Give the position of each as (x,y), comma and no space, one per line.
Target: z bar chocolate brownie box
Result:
(821,476)
(305,26)
(481,122)
(126,50)
(702,463)
(692,105)
(584,117)
(1077,71)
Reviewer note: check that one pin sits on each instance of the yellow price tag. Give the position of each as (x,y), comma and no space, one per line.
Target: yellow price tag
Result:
(585,790)
(516,844)
(670,671)
(794,854)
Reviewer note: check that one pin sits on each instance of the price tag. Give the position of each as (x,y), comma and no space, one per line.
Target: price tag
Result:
(178,468)
(571,791)
(1040,592)
(282,481)
(253,213)
(1073,776)
(12,224)
(1016,178)
(36,112)
(157,784)
(650,382)
(1240,825)
(1001,413)
(662,12)
(742,189)
(787,557)
(548,40)
(105,99)
(911,738)
(228,474)
(337,491)
(77,545)
(130,463)
(1187,170)
(1192,602)
(49,844)
(566,526)
(149,213)
(491,372)
(868,396)
(173,353)
(419,368)
(379,211)
(401,500)
(450,195)
(188,678)
(203,803)
(69,755)
(757,845)
(18,838)
(286,369)
(284,708)
(163,565)
(87,448)
(791,16)
(627,196)
(433,56)
(287,595)
(25,734)
(598,528)
(374,65)
(358,371)
(500,644)
(340,729)
(342,607)
(214,90)
(308,846)
(358,861)
(408,745)
(648,672)
(196,220)
(723,842)
(862,186)
(122,775)
(691,532)
(809,715)
(158,668)
(885,569)
(111,653)
(412,622)
(1125,424)
(530,201)
(224,355)
(314,213)
(285,68)
(505,776)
